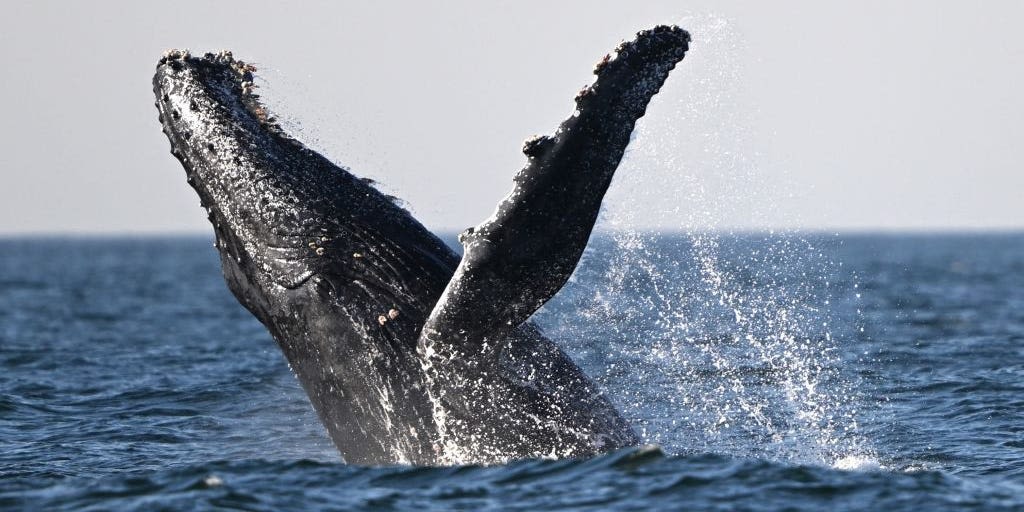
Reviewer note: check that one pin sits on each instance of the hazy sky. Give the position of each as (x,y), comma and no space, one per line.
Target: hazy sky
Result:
(811,114)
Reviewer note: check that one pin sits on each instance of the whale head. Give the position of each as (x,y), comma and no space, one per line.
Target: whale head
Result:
(342,277)
(282,214)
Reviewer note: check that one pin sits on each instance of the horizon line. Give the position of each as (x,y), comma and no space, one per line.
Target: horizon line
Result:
(815,231)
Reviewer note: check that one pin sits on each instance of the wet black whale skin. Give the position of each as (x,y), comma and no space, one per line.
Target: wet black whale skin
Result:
(348,283)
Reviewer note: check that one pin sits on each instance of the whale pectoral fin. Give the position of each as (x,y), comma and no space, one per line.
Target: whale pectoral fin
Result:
(520,257)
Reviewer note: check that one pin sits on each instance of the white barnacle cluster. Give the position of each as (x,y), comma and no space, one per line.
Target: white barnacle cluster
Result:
(317,246)
(241,75)
(225,57)
(175,54)
(247,87)
(391,315)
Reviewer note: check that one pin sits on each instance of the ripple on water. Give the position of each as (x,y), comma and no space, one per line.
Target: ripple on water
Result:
(125,397)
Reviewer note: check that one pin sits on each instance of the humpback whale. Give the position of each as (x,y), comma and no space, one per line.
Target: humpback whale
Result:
(409,353)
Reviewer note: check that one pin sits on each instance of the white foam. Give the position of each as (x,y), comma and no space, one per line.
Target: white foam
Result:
(857,463)
(745,355)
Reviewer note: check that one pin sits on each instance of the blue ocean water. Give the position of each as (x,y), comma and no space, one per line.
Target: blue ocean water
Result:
(770,372)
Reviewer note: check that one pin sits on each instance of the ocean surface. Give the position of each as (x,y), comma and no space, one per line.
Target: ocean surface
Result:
(767,372)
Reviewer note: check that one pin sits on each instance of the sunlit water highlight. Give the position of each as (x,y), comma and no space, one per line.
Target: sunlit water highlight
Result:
(130,376)
(737,336)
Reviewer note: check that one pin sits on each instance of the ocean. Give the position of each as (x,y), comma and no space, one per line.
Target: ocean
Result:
(767,371)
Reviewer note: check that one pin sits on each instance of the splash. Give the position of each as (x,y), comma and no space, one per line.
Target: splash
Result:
(720,342)
(729,328)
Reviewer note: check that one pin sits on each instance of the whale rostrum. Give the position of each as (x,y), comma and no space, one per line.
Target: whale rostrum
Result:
(409,354)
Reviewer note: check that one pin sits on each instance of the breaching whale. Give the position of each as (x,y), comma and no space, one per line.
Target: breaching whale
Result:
(409,354)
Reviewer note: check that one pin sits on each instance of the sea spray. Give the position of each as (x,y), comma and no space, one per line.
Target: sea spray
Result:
(730,328)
